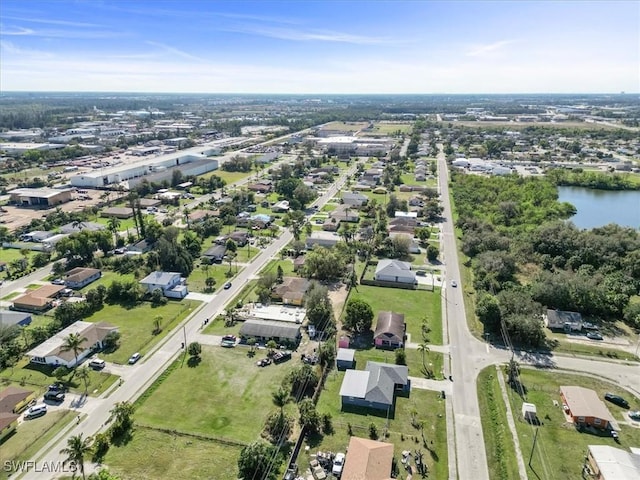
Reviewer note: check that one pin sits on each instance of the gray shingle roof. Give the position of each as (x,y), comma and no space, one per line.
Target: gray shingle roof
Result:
(269,328)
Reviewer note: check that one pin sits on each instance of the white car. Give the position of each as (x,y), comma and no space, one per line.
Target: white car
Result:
(338,464)
(454,283)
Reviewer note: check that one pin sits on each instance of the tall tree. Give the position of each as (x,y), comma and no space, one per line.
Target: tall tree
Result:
(77,448)
(73,343)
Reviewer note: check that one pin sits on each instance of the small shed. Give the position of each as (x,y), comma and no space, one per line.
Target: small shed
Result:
(529,412)
(343,342)
(345,358)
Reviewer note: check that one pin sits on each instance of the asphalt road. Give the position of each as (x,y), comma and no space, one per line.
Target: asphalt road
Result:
(467,353)
(94,412)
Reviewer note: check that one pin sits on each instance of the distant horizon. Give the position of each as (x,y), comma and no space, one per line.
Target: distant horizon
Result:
(315,47)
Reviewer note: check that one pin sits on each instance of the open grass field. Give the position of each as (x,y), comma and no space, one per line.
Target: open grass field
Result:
(432,360)
(426,406)
(391,128)
(346,126)
(39,377)
(107,278)
(9,255)
(501,454)
(560,448)
(198,277)
(31,436)
(136,325)
(229,177)
(224,396)
(155,454)
(416,305)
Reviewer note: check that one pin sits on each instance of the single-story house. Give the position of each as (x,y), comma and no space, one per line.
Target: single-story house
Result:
(149,202)
(141,246)
(79,277)
(8,424)
(265,330)
(171,284)
(395,271)
(37,300)
(390,330)
(8,318)
(240,238)
(51,352)
(354,199)
(117,212)
(15,399)
(584,407)
(260,187)
(280,207)
(345,358)
(197,216)
(559,319)
(291,291)
(345,213)
(215,253)
(73,227)
(324,239)
(611,463)
(37,236)
(368,459)
(375,386)
(298,263)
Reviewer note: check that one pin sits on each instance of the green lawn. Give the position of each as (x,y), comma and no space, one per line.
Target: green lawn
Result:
(10,254)
(137,324)
(232,395)
(229,177)
(432,360)
(125,223)
(31,436)
(501,455)
(427,406)
(107,278)
(38,377)
(155,454)
(414,304)
(560,448)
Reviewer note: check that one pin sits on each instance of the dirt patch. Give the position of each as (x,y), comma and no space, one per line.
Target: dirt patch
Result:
(338,294)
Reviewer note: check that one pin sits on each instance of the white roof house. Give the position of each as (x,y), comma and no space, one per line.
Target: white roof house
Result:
(170,283)
(612,463)
(396,271)
(51,352)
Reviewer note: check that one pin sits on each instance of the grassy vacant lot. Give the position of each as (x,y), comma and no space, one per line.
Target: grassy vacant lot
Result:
(196,280)
(426,406)
(10,254)
(560,448)
(38,377)
(225,396)
(391,128)
(107,278)
(155,454)
(229,177)
(346,126)
(31,436)
(137,324)
(414,304)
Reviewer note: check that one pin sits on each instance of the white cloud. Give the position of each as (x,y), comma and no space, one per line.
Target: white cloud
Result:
(52,22)
(311,35)
(487,49)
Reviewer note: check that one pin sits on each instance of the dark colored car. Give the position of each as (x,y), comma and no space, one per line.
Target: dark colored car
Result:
(52,396)
(57,387)
(227,286)
(280,357)
(616,400)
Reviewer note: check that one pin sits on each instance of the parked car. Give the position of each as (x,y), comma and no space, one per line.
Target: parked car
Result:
(54,396)
(58,281)
(634,415)
(421,273)
(616,400)
(338,464)
(264,362)
(57,387)
(310,359)
(97,364)
(227,286)
(454,283)
(280,357)
(229,338)
(594,336)
(36,411)
(134,358)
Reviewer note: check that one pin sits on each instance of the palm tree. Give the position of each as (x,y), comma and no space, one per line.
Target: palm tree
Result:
(424,349)
(77,448)
(83,374)
(121,414)
(113,224)
(280,398)
(73,343)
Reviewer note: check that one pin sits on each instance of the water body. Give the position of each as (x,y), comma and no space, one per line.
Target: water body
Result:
(601,207)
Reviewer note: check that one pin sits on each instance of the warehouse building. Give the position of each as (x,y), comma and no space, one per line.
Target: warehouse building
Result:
(39,197)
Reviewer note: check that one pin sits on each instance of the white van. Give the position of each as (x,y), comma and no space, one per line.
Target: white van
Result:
(36,411)
(97,364)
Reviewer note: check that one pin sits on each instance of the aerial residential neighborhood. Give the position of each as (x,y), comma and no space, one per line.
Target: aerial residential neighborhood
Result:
(257,278)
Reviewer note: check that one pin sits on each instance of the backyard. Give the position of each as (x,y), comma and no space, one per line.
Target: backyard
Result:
(416,305)
(420,408)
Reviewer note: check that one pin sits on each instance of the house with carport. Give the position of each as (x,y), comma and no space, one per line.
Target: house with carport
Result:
(395,271)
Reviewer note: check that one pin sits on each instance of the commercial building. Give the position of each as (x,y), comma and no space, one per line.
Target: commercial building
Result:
(192,161)
(39,197)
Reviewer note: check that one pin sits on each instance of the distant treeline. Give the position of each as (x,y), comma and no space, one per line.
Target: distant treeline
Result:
(595,180)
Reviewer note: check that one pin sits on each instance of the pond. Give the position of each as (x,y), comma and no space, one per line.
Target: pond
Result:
(597,208)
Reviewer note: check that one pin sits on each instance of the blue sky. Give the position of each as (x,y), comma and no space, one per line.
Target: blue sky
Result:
(320,47)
